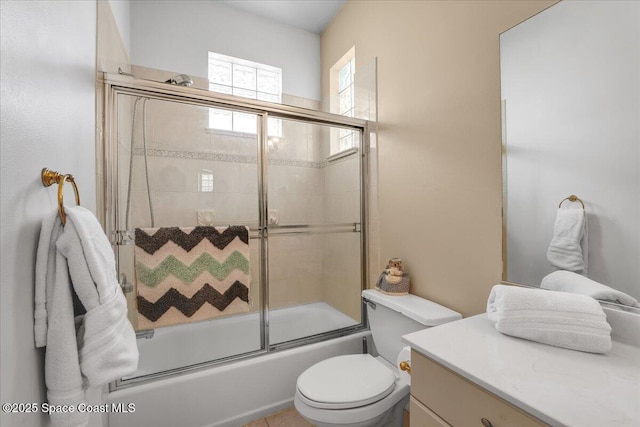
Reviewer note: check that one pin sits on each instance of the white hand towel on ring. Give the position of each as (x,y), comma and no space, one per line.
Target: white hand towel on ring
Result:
(569,247)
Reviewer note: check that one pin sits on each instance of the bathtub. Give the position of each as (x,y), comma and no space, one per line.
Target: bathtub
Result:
(231,394)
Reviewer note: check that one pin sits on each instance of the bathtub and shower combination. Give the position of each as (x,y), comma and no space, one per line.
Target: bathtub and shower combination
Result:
(281,172)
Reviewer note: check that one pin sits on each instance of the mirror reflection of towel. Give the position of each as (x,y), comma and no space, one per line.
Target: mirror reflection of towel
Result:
(569,248)
(566,281)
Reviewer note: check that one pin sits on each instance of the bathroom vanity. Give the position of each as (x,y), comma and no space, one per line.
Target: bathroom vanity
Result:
(468,374)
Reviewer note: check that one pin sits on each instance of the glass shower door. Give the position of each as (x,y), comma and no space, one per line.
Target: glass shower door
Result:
(314,228)
(188,216)
(238,225)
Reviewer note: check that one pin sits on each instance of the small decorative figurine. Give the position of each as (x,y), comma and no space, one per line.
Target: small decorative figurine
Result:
(393,281)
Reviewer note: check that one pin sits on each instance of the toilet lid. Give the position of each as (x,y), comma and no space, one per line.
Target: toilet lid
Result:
(345,382)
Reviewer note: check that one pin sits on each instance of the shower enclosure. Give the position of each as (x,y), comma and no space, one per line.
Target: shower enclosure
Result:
(184,157)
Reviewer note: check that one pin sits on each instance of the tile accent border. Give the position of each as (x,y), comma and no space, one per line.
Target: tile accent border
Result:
(236,158)
(197,155)
(299,163)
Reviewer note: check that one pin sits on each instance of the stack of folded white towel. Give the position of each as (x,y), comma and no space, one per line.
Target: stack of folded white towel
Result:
(566,281)
(576,322)
(87,350)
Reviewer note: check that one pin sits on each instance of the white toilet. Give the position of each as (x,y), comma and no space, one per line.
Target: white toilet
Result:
(359,390)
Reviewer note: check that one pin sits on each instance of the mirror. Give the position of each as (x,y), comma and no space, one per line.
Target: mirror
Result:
(570,81)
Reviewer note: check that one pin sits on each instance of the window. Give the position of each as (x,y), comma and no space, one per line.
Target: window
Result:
(239,77)
(346,102)
(343,102)
(206,181)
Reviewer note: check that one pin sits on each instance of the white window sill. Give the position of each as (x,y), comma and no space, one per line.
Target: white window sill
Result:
(230,133)
(343,153)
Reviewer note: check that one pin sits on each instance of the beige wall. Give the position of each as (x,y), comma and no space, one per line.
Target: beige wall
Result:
(438,135)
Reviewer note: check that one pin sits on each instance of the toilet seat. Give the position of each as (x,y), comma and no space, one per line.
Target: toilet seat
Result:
(345,382)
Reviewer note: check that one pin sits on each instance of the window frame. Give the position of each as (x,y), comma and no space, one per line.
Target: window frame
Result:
(233,86)
(339,136)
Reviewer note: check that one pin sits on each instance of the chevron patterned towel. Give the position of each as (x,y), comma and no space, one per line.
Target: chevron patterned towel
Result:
(190,274)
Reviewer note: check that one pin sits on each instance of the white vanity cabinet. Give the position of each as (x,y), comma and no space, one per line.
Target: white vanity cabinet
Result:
(441,398)
(467,374)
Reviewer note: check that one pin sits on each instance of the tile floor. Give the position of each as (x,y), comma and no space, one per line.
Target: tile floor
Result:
(290,418)
(287,418)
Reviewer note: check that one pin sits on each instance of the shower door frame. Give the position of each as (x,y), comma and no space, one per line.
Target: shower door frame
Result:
(115,84)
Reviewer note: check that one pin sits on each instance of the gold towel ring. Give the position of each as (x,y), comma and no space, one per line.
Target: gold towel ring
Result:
(49,178)
(572,198)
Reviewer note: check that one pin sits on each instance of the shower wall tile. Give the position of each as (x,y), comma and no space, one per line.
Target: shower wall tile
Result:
(123,178)
(332,178)
(301,140)
(293,180)
(248,180)
(173,175)
(140,216)
(139,178)
(324,147)
(165,127)
(254,266)
(341,273)
(315,143)
(196,120)
(246,209)
(125,119)
(336,208)
(341,256)
(342,175)
(300,209)
(341,207)
(295,270)
(177,209)
(230,208)
(341,196)
(297,101)
(230,143)
(210,201)
(226,176)
(294,144)
(315,204)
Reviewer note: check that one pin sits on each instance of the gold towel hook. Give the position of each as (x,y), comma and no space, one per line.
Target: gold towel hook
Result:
(572,198)
(49,178)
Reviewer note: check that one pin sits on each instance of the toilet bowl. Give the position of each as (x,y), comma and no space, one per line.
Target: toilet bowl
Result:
(360,390)
(355,390)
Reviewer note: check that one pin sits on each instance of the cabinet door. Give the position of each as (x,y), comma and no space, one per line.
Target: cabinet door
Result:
(460,402)
(421,416)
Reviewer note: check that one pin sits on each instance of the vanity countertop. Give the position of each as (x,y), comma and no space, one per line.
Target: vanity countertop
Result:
(560,387)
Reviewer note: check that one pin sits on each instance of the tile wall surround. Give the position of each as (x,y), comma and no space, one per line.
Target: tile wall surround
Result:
(303,186)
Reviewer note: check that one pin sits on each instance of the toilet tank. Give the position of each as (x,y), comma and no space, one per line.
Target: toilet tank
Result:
(391,317)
